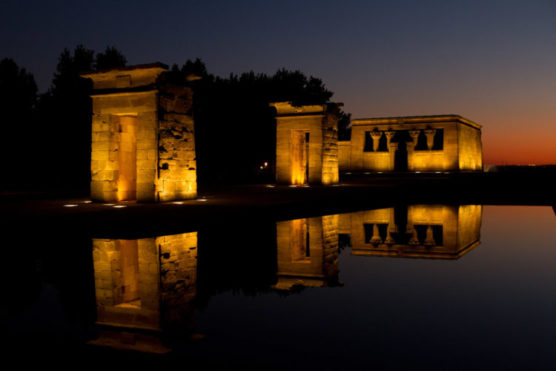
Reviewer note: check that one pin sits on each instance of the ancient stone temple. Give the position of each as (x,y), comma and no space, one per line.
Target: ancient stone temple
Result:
(306,143)
(307,252)
(144,289)
(415,231)
(418,143)
(143,143)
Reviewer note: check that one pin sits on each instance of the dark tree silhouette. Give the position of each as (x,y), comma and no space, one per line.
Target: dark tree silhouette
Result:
(65,114)
(235,126)
(18,97)
(344,126)
(111,58)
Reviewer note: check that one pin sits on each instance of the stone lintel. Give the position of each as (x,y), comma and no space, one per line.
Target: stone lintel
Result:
(410,120)
(124,93)
(126,77)
(288,109)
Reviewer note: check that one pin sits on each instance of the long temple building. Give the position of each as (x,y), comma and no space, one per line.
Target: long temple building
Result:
(414,143)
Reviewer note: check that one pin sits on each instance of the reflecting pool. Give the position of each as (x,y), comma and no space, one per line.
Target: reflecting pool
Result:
(407,287)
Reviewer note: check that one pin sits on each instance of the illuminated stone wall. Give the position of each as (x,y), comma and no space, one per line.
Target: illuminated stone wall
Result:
(430,231)
(143,144)
(177,177)
(307,252)
(344,154)
(299,161)
(146,285)
(415,141)
(470,148)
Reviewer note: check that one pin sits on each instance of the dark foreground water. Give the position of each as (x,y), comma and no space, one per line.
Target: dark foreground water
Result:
(411,287)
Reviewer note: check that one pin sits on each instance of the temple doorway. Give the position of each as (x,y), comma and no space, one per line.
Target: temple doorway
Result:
(127,158)
(400,156)
(300,157)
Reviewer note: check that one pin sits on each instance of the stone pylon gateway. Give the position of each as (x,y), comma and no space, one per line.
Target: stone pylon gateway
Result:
(307,143)
(143,142)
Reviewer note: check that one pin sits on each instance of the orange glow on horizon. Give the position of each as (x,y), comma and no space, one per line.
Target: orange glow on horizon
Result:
(523,147)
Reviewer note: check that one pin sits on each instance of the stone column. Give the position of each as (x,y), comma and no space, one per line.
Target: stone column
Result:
(430,137)
(389,239)
(389,135)
(429,239)
(414,133)
(376,135)
(392,147)
(375,239)
(413,241)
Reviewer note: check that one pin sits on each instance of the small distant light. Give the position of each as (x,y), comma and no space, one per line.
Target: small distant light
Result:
(70,205)
(366,172)
(202,199)
(261,167)
(108,204)
(306,186)
(293,185)
(418,172)
(265,163)
(379,172)
(348,173)
(87,201)
(438,172)
(270,186)
(119,206)
(336,185)
(178,202)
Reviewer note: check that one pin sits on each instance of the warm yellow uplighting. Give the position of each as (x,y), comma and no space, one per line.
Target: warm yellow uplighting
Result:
(307,252)
(423,143)
(433,231)
(143,146)
(143,284)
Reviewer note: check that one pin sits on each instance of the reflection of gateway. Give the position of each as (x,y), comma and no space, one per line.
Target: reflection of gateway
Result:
(417,231)
(143,289)
(307,252)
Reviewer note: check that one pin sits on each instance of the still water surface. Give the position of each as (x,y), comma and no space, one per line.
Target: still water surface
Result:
(412,287)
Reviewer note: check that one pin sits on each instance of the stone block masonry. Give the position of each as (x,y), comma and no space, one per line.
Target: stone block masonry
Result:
(143,140)
(306,143)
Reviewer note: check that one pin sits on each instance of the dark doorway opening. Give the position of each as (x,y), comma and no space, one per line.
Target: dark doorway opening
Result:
(400,157)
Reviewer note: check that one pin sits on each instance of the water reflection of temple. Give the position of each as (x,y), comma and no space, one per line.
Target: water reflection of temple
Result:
(416,231)
(307,252)
(143,289)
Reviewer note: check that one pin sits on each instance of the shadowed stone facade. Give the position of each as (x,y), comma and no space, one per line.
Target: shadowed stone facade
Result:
(419,143)
(306,143)
(143,143)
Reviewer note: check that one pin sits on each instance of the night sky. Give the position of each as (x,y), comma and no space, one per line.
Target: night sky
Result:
(492,61)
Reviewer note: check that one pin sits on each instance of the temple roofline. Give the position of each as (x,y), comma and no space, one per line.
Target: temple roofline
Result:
(154,65)
(415,120)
